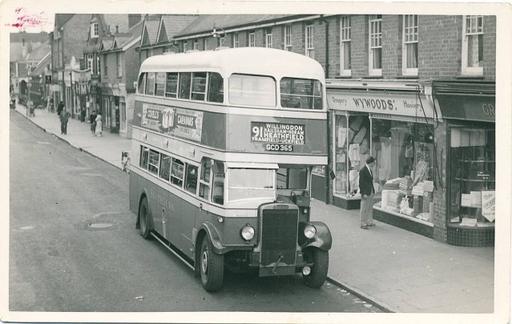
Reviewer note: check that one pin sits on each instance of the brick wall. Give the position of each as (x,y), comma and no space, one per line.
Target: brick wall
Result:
(277,37)
(359,46)
(490,47)
(391,46)
(439,47)
(297,38)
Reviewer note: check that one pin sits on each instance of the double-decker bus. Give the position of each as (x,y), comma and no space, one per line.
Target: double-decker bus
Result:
(223,146)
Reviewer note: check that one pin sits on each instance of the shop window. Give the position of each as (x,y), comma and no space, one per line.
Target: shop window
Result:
(171,88)
(345,46)
(198,85)
(404,167)
(165,167)
(154,161)
(301,93)
(410,45)
(191,178)
(184,85)
(352,147)
(215,87)
(473,45)
(375,41)
(252,90)
(177,172)
(472,177)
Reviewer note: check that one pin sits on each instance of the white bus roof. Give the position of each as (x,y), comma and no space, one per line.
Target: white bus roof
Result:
(245,60)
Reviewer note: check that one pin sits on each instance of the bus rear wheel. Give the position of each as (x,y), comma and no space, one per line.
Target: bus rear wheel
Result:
(211,266)
(318,275)
(144,228)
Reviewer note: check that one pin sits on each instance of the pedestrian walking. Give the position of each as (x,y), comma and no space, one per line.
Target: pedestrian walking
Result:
(99,125)
(64,117)
(366,189)
(92,120)
(60,107)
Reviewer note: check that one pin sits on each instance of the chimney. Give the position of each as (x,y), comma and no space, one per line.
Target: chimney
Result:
(117,29)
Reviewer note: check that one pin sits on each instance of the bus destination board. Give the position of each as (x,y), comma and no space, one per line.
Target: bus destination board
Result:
(278,137)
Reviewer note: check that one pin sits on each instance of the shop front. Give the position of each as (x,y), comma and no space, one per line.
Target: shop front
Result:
(469,111)
(393,122)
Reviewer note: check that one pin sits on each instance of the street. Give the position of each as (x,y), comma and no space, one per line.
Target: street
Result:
(74,246)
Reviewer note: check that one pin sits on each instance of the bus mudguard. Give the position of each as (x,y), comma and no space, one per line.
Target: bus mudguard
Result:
(322,239)
(214,237)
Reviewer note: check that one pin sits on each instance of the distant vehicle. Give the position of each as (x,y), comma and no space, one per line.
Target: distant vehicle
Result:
(223,147)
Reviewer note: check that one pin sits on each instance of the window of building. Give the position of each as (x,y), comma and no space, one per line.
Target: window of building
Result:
(215,87)
(222,40)
(89,63)
(160,83)
(177,172)
(410,45)
(309,41)
(251,40)
(375,55)
(119,64)
(150,84)
(171,88)
(205,43)
(288,37)
(252,90)
(198,86)
(185,46)
(94,30)
(345,46)
(235,40)
(473,45)
(268,38)
(196,45)
(301,93)
(184,85)
(165,167)
(105,65)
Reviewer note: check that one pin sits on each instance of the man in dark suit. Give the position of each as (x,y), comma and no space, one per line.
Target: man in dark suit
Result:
(366,189)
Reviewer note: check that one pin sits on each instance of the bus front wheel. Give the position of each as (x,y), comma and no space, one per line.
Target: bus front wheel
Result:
(211,266)
(144,228)
(320,260)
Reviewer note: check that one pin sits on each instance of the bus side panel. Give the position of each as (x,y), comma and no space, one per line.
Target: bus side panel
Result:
(180,223)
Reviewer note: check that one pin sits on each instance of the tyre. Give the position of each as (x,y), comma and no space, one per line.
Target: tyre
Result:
(318,275)
(144,219)
(211,266)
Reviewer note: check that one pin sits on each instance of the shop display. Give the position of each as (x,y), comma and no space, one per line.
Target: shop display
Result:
(472,177)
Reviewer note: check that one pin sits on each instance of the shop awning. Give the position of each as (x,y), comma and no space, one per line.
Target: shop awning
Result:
(467,107)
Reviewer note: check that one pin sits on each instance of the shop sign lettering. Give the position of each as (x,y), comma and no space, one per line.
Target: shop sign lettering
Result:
(278,133)
(488,109)
(399,104)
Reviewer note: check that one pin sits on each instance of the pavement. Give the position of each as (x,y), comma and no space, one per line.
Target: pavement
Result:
(399,270)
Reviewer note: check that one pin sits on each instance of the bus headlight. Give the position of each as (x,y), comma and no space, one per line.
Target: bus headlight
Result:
(309,231)
(247,232)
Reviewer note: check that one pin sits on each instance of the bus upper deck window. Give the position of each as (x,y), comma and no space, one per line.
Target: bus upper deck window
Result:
(150,84)
(171,85)
(142,82)
(252,90)
(160,84)
(184,85)
(198,85)
(215,87)
(301,93)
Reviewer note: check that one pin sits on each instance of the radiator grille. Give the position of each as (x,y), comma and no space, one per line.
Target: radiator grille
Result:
(279,235)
